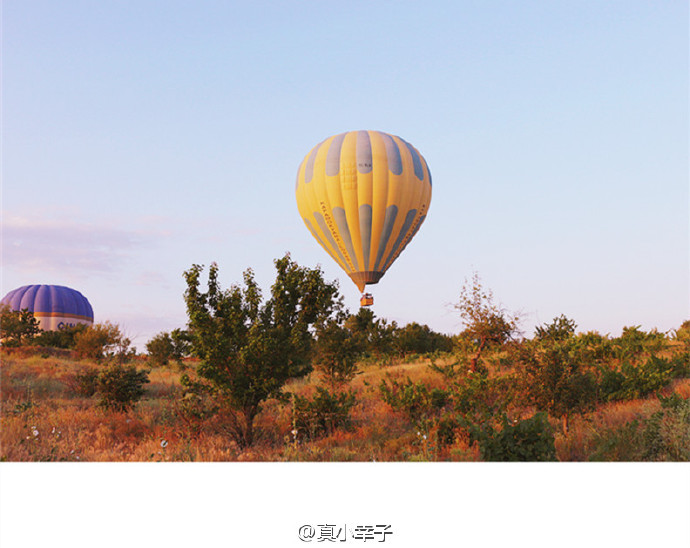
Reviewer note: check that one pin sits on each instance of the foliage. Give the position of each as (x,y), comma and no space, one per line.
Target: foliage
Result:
(632,381)
(336,352)
(63,337)
(160,349)
(485,322)
(121,387)
(682,334)
(100,340)
(633,342)
(197,402)
(555,377)
(17,327)
(559,329)
(420,339)
(324,412)
(375,336)
(415,399)
(249,349)
(165,346)
(521,440)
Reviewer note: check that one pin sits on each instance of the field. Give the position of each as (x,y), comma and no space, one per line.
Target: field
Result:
(45,417)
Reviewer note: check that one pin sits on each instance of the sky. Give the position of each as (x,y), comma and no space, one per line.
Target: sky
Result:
(140,138)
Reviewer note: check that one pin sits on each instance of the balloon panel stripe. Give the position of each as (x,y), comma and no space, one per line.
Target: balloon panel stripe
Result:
(409,219)
(333,158)
(365,215)
(389,221)
(329,236)
(364,158)
(344,229)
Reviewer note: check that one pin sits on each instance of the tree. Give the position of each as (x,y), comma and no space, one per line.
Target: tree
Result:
(336,353)
(485,321)
(249,348)
(559,329)
(556,378)
(375,335)
(100,339)
(160,348)
(17,326)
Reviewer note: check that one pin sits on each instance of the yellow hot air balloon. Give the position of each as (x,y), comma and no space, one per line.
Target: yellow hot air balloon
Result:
(363,195)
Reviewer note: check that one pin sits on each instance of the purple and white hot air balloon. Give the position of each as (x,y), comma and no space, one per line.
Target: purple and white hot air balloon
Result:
(54,306)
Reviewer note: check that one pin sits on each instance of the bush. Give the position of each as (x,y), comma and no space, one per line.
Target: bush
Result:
(17,327)
(529,440)
(98,339)
(636,381)
(120,387)
(415,399)
(64,337)
(323,413)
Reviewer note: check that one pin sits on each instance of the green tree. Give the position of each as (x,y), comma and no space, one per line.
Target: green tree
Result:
(556,377)
(100,340)
(120,387)
(63,337)
(17,327)
(249,348)
(559,329)
(160,348)
(375,335)
(485,322)
(336,353)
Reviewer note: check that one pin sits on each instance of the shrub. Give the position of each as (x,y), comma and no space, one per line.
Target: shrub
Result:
(120,387)
(17,327)
(98,339)
(415,399)
(61,338)
(556,377)
(323,413)
(526,440)
(636,381)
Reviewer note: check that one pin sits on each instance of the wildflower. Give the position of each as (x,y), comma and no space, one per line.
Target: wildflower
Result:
(294,432)
(164,444)
(424,436)
(34,431)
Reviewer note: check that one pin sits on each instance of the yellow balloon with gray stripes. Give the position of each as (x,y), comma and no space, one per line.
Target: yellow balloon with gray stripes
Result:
(363,195)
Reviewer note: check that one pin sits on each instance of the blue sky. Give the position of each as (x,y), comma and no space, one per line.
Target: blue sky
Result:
(142,137)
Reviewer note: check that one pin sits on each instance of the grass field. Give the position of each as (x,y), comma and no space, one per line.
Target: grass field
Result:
(43,418)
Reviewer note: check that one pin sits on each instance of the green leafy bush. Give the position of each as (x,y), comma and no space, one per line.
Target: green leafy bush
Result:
(526,440)
(121,387)
(323,413)
(633,381)
(415,399)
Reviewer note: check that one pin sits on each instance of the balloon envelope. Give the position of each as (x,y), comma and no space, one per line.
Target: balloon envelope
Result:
(54,306)
(363,195)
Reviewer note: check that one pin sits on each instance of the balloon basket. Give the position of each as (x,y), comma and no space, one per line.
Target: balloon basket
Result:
(367,299)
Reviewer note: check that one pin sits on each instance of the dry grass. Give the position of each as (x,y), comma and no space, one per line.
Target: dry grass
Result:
(42,419)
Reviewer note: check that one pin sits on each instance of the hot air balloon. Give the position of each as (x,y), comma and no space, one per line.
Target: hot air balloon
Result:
(363,195)
(54,306)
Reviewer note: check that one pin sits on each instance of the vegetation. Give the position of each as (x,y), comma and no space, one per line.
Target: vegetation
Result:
(248,348)
(294,376)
